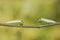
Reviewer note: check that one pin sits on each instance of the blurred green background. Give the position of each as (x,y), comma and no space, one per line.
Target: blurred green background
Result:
(29,11)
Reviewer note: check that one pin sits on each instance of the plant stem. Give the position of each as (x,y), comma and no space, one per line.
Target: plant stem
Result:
(41,26)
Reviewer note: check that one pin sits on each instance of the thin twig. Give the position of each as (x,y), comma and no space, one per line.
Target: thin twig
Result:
(10,25)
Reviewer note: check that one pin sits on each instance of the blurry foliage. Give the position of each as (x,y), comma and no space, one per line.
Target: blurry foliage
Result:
(29,11)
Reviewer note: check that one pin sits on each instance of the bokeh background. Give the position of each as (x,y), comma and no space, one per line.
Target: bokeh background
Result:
(29,11)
